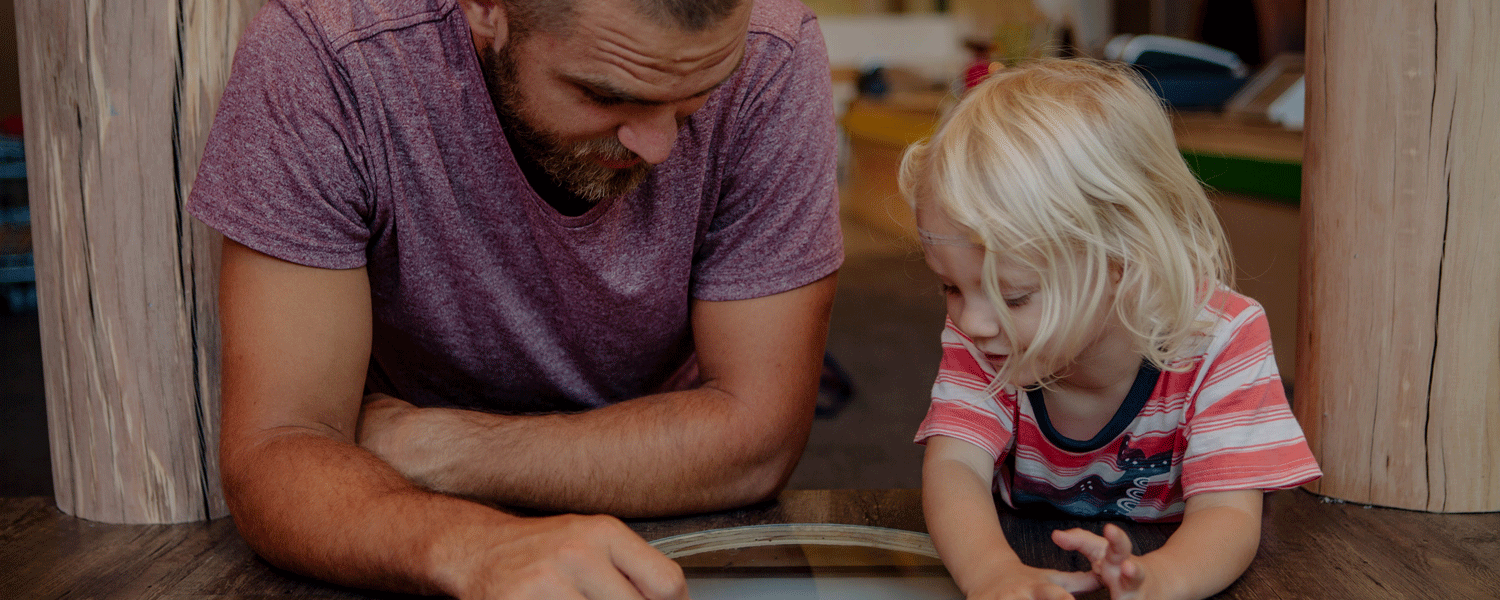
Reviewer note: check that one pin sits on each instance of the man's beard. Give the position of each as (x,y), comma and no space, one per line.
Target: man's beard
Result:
(573,166)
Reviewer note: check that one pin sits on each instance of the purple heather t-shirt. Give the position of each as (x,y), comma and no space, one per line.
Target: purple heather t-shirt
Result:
(360,132)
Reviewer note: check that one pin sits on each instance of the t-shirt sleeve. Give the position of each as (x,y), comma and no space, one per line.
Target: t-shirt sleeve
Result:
(281,171)
(961,406)
(1241,433)
(776,224)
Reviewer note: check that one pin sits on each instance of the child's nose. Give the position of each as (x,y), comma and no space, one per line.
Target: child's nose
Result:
(978,320)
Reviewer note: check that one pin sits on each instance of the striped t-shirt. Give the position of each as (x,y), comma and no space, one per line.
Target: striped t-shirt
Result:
(1223,424)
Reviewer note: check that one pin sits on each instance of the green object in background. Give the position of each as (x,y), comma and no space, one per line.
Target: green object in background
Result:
(1271,179)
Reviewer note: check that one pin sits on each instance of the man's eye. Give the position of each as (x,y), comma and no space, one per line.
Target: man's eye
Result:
(601,99)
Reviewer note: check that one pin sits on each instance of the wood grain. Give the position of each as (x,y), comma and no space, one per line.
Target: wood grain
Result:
(117,98)
(1398,357)
(209,34)
(1310,548)
(1463,441)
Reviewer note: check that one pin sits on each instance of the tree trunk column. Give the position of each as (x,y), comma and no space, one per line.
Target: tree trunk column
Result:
(1398,369)
(117,98)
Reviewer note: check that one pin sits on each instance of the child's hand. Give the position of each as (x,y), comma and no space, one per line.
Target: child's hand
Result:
(1021,582)
(1123,573)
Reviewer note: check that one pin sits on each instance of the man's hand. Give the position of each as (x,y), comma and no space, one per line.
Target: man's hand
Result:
(1114,564)
(568,556)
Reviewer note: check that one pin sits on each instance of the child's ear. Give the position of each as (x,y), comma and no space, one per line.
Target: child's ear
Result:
(487,22)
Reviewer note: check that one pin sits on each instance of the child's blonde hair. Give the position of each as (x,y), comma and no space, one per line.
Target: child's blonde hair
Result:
(1070,168)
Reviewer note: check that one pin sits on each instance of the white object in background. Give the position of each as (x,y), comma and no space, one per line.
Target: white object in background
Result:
(1127,48)
(926,44)
(1291,106)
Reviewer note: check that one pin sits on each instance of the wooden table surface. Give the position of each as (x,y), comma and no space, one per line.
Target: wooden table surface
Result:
(1309,549)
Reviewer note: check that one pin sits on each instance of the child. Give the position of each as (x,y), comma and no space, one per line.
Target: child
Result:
(1094,360)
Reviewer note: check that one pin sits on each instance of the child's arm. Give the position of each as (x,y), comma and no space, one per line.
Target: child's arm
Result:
(961,517)
(1219,535)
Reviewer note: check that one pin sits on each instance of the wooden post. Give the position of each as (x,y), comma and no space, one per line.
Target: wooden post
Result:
(1398,381)
(117,98)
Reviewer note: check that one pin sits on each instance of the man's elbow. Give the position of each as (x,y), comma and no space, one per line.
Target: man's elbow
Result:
(764,478)
(755,450)
(766,482)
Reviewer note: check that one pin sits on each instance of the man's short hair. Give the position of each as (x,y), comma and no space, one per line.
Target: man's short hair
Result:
(556,16)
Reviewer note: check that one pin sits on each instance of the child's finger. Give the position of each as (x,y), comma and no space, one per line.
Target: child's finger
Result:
(1059,594)
(1131,576)
(1084,542)
(1120,547)
(1076,582)
(1049,592)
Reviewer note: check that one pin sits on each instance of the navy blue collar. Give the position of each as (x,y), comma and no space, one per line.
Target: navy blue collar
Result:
(1135,400)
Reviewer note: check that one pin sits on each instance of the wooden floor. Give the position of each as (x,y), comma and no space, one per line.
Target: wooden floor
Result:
(1310,549)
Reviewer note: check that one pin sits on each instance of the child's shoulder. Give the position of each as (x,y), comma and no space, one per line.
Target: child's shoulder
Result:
(1227,305)
(1230,320)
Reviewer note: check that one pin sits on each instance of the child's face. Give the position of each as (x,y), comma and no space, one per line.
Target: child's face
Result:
(960,267)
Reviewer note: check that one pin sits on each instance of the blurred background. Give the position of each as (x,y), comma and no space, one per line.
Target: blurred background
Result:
(1230,70)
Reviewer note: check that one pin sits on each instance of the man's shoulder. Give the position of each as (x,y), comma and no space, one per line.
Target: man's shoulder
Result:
(782,19)
(345,21)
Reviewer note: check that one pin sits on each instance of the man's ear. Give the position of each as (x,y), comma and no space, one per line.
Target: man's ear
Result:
(487,22)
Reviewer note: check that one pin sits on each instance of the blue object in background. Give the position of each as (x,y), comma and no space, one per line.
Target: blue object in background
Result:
(17,269)
(1186,74)
(12,157)
(872,82)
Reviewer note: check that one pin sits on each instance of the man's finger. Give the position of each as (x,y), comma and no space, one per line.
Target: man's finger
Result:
(602,581)
(595,558)
(657,579)
(650,572)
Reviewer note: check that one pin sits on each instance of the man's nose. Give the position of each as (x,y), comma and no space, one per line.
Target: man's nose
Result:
(650,134)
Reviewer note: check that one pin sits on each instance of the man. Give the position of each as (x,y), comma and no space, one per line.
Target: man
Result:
(568,256)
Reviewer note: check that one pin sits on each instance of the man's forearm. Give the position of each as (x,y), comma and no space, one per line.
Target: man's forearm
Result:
(316,505)
(732,441)
(330,510)
(688,451)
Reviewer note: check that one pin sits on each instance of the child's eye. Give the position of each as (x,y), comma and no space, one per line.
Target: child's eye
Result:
(950,290)
(1018,301)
